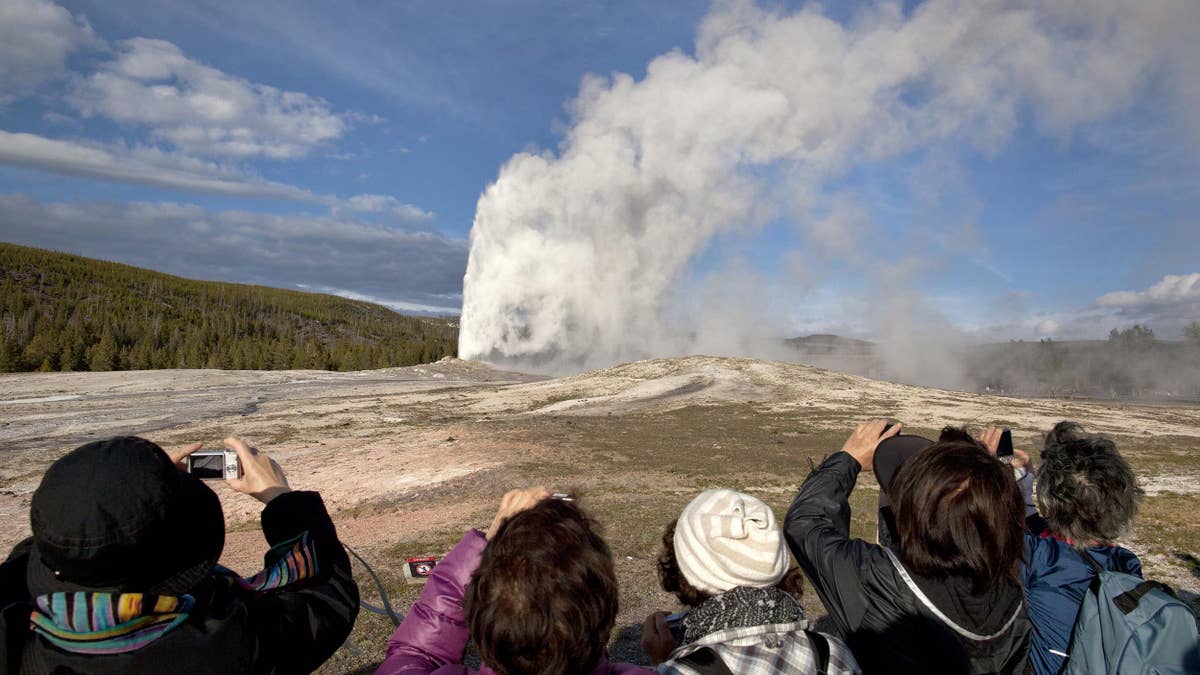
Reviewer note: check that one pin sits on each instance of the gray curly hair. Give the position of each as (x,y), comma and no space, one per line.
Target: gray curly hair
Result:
(1085,489)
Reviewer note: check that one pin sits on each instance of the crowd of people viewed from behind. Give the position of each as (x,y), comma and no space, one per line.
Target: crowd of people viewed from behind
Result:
(981,564)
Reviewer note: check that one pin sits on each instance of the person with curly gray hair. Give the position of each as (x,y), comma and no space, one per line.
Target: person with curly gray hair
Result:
(1087,497)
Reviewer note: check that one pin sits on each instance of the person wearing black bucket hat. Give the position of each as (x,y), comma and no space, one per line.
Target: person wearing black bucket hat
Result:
(121,572)
(944,595)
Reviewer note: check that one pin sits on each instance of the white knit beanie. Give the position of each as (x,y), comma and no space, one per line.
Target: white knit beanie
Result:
(726,539)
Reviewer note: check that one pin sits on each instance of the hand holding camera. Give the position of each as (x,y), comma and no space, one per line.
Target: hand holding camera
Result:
(862,443)
(998,441)
(514,502)
(262,478)
(658,635)
(245,469)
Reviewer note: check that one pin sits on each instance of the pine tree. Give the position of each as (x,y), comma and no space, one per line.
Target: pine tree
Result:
(104,354)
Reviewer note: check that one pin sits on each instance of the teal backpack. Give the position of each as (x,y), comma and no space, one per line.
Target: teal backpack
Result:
(1127,625)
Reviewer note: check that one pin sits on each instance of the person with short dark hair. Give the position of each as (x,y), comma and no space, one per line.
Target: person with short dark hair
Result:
(725,559)
(536,593)
(121,573)
(950,599)
(1087,496)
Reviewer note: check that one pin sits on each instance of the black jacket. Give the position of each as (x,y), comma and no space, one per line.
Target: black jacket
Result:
(872,601)
(292,629)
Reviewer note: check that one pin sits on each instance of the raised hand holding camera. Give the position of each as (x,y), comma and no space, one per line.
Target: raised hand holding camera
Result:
(998,442)
(514,502)
(262,477)
(862,443)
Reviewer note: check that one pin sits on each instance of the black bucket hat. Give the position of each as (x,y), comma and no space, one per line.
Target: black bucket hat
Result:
(891,454)
(118,516)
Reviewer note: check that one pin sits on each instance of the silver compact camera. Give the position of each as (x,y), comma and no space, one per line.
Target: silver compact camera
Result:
(214,464)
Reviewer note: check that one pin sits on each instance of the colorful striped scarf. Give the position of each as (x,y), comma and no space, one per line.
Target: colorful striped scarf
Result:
(114,623)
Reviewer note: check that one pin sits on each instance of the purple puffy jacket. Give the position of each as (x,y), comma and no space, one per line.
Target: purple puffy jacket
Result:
(434,634)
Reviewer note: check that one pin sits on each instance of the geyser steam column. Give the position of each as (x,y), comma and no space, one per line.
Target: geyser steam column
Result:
(574,256)
(571,258)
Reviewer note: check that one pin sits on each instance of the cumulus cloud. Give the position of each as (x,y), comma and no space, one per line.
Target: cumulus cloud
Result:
(1167,306)
(1173,289)
(202,110)
(398,266)
(36,37)
(575,253)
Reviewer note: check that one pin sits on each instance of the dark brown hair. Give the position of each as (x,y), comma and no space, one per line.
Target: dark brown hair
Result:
(671,578)
(959,513)
(544,598)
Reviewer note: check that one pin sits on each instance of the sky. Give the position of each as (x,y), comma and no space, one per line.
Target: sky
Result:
(344,148)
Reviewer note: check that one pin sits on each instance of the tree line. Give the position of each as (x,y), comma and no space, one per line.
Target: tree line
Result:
(1131,363)
(61,312)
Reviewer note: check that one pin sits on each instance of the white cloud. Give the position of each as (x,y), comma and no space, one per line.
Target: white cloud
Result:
(36,37)
(202,110)
(1181,289)
(385,204)
(452,300)
(155,168)
(416,270)
(1166,307)
(143,166)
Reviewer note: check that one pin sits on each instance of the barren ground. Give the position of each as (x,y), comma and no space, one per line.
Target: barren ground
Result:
(408,458)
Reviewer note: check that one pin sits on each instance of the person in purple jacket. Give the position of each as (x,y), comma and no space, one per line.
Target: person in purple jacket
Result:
(536,593)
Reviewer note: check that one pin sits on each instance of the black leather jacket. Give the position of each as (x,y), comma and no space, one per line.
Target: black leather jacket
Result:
(889,617)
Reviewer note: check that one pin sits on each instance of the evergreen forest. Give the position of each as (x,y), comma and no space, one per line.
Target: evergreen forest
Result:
(61,312)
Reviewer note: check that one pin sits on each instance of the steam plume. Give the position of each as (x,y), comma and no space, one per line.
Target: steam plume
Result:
(579,257)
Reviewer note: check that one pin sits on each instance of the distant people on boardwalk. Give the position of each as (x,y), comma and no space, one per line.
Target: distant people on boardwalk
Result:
(121,574)
(725,559)
(949,598)
(536,593)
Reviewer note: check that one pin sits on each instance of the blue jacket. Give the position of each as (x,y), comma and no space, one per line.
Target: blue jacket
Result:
(1056,579)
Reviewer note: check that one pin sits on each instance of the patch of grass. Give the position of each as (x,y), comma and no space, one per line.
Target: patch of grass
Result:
(1167,522)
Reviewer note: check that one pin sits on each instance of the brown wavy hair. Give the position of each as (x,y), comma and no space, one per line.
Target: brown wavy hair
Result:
(544,599)
(672,580)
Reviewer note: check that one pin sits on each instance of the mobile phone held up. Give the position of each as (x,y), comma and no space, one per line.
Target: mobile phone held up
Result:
(214,464)
(1006,447)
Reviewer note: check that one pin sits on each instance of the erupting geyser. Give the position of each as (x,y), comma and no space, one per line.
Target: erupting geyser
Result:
(577,257)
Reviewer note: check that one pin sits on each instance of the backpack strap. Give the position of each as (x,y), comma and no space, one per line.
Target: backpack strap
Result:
(820,645)
(706,662)
(1087,558)
(1128,601)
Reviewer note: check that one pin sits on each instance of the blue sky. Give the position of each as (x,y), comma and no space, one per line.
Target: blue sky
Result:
(343,148)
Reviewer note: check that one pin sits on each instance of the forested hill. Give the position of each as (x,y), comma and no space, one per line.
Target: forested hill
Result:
(67,312)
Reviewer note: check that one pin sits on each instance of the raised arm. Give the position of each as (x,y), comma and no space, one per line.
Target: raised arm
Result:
(434,634)
(306,599)
(817,528)
(309,600)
